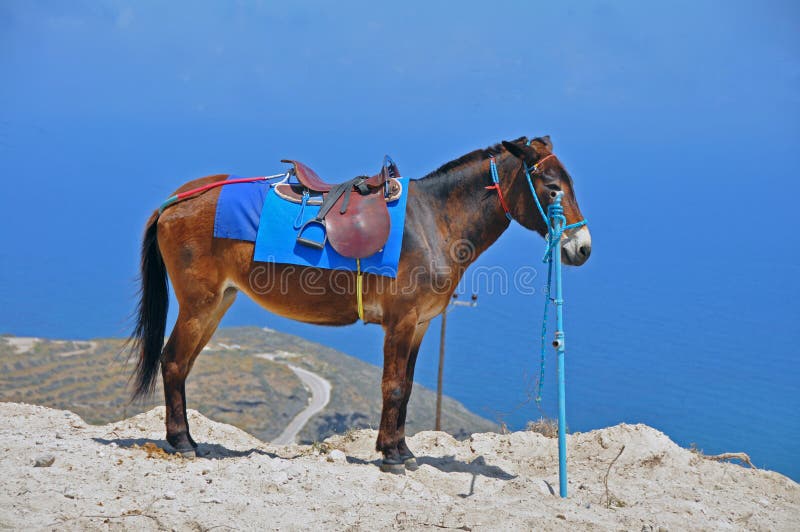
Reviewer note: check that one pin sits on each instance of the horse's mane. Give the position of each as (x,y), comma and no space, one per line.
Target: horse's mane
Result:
(472,157)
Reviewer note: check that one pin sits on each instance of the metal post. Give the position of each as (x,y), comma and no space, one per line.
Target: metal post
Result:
(473,302)
(556,215)
(441,370)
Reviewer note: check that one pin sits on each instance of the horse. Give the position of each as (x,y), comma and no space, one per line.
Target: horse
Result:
(452,216)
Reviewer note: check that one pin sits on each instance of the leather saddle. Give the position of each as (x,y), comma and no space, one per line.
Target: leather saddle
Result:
(353,214)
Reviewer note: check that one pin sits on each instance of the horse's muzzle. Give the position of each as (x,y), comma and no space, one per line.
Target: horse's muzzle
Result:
(576,246)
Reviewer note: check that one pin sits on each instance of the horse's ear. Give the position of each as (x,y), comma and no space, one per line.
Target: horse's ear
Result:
(544,141)
(516,150)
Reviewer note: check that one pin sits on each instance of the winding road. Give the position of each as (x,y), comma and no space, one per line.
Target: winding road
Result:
(320,390)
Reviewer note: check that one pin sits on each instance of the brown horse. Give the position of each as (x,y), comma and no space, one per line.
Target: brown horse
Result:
(451,219)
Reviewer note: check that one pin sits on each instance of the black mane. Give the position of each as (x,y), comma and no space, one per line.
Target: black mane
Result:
(471,157)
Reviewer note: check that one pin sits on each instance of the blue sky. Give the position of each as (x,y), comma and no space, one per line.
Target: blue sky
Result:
(679,123)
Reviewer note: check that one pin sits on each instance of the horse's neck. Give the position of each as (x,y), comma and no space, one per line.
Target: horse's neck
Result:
(469,217)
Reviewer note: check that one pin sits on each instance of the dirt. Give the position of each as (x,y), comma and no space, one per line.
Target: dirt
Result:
(120,476)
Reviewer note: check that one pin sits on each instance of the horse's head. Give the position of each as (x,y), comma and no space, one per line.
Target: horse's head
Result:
(549,178)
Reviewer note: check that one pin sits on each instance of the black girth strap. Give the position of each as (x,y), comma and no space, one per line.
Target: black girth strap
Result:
(359,183)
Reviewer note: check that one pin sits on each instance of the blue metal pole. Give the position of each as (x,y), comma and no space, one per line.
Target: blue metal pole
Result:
(556,212)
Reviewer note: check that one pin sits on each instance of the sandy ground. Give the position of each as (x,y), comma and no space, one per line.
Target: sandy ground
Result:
(117,477)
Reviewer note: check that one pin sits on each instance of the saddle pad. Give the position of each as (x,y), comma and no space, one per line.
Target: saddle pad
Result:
(239,209)
(275,236)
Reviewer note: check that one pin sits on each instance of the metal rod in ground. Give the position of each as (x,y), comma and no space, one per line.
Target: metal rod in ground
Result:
(473,302)
(441,370)
(557,219)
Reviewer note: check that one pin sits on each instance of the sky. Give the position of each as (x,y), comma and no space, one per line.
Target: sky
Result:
(679,123)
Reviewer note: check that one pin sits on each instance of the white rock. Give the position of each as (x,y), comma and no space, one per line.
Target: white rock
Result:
(337,456)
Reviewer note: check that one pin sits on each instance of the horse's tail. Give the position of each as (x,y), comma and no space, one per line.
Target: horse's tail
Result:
(147,339)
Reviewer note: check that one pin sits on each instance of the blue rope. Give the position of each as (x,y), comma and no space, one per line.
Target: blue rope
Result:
(556,225)
(540,387)
(534,194)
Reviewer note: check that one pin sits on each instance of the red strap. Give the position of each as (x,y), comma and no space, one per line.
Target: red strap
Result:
(184,195)
(500,197)
(543,159)
(496,186)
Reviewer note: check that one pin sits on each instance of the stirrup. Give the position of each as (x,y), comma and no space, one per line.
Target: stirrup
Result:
(309,242)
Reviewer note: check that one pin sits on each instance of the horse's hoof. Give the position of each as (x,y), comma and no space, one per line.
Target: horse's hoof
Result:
(393,468)
(411,464)
(189,454)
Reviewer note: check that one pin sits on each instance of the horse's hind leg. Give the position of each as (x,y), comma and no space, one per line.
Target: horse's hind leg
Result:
(196,323)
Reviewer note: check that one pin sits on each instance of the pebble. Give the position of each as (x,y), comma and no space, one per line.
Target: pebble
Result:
(169,495)
(46,460)
(337,456)
(69,494)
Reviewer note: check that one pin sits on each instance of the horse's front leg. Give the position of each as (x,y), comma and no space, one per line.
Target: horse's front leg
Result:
(405,453)
(397,344)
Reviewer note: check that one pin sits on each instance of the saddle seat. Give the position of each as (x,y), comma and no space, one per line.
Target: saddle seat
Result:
(353,214)
(314,183)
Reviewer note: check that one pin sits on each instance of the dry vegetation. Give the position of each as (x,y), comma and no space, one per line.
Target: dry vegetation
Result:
(228,383)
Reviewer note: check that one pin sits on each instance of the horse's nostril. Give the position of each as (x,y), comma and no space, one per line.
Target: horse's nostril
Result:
(585,251)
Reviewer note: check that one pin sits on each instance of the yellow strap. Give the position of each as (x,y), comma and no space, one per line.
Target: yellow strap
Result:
(359,297)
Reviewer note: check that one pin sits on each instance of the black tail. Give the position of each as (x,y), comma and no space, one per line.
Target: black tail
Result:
(147,339)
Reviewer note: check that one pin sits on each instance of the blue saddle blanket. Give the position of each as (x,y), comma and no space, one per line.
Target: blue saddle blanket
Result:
(254,212)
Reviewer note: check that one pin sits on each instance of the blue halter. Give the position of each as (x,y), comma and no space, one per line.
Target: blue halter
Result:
(535,169)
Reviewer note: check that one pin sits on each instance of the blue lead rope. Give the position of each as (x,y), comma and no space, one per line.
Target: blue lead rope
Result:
(556,225)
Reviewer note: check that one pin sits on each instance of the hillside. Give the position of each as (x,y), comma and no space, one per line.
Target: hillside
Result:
(116,477)
(243,378)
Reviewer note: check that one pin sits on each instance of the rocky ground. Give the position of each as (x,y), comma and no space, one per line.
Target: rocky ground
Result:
(60,473)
